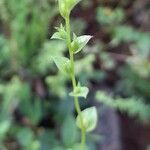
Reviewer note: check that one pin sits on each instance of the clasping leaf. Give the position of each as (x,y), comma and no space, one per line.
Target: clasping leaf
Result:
(80,42)
(89,117)
(80,91)
(60,34)
(62,63)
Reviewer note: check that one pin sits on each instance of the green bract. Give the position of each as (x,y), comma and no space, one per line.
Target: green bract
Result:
(80,91)
(65,6)
(89,116)
(79,42)
(60,34)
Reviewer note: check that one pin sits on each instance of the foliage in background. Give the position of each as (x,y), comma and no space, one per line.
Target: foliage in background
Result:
(134,107)
(134,76)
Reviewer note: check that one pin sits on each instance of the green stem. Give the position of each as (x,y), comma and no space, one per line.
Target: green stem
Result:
(74,84)
(83,141)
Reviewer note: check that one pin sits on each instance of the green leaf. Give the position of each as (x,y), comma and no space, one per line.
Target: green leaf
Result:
(80,91)
(80,42)
(69,132)
(63,64)
(60,34)
(89,116)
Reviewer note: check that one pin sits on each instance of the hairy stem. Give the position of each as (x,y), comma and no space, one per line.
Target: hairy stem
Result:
(74,84)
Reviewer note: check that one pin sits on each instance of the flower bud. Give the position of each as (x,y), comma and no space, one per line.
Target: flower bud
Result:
(65,6)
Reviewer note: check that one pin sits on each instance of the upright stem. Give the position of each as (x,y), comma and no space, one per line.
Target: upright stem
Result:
(74,84)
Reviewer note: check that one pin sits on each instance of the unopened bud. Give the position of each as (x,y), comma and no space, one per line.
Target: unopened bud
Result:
(65,7)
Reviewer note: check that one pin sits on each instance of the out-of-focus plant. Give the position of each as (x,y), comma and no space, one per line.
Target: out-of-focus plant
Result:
(134,75)
(106,16)
(138,65)
(23,19)
(86,119)
(22,36)
(131,106)
(11,94)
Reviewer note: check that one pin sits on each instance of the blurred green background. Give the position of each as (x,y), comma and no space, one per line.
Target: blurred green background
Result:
(36,112)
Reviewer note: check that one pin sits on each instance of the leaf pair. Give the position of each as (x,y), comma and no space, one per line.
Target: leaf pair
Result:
(89,117)
(77,44)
